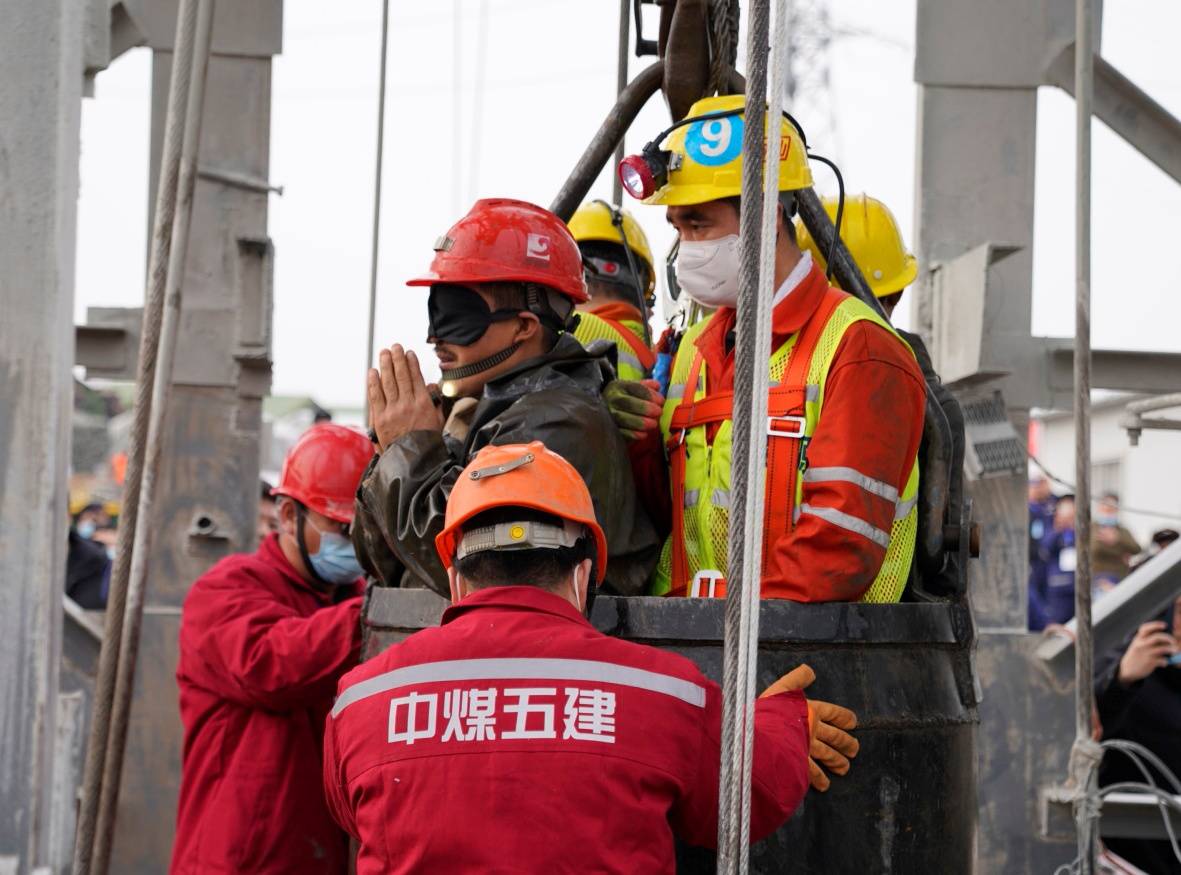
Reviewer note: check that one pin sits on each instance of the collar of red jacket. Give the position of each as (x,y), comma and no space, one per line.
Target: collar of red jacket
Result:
(787,318)
(517,598)
(274,556)
(619,311)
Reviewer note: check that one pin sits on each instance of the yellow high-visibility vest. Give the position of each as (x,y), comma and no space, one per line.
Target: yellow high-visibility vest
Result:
(634,358)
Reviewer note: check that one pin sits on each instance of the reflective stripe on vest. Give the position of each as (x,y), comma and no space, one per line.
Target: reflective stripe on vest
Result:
(701,468)
(510,668)
(634,360)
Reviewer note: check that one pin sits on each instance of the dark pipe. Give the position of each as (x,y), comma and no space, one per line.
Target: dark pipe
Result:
(844,268)
(934,484)
(627,107)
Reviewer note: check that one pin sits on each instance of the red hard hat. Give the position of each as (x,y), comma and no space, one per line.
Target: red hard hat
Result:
(324,468)
(505,240)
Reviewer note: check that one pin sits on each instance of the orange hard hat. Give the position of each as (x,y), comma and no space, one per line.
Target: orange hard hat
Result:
(505,240)
(519,475)
(324,468)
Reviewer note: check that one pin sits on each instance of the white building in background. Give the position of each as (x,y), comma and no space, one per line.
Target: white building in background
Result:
(1147,477)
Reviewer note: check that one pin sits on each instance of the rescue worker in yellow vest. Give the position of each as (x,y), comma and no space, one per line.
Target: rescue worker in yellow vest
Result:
(621,282)
(846,403)
(872,236)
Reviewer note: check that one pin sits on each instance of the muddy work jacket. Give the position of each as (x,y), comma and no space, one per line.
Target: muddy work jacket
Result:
(555,399)
(515,737)
(261,652)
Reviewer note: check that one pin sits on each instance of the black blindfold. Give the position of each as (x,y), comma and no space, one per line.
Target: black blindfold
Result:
(460,316)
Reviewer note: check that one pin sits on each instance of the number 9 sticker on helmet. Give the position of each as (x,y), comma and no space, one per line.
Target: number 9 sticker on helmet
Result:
(716,141)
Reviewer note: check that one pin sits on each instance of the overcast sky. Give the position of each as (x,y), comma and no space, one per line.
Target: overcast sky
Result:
(548,78)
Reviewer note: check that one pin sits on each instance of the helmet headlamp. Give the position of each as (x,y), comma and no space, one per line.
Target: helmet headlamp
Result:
(641,175)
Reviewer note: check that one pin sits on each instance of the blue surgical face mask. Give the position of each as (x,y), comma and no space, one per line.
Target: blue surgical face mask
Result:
(87,528)
(336,560)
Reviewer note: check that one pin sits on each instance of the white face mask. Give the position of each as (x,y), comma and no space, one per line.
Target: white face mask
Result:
(707,270)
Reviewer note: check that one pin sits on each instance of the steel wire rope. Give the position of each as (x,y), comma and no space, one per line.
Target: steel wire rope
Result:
(161,245)
(161,385)
(479,77)
(1136,510)
(373,254)
(1083,765)
(456,105)
(759,207)
(723,43)
(1165,801)
(621,71)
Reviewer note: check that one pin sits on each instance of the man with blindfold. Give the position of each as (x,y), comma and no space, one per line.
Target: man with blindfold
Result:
(504,284)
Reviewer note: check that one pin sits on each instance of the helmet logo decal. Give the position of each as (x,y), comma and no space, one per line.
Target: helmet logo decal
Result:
(537,247)
(716,141)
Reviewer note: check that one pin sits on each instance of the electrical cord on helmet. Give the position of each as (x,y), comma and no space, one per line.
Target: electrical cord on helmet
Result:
(655,142)
(840,210)
(641,298)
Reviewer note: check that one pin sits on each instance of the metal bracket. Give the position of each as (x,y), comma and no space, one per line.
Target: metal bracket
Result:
(1130,111)
(239,180)
(1134,423)
(644,47)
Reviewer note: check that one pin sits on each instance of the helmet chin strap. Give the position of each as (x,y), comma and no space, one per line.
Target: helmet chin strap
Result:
(300,518)
(454,375)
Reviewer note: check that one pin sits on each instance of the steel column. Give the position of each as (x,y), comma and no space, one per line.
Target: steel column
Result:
(42,49)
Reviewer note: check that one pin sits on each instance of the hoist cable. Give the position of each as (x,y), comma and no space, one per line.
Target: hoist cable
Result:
(161,244)
(759,208)
(375,244)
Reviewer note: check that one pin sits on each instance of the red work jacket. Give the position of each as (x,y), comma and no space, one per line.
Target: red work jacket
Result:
(260,654)
(515,737)
(871,423)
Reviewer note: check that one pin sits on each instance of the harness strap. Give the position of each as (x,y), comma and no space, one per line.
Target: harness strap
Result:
(785,439)
(646,356)
(679,569)
(785,456)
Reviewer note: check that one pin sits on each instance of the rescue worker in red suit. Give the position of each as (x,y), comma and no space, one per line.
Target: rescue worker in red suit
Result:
(264,637)
(845,405)
(545,745)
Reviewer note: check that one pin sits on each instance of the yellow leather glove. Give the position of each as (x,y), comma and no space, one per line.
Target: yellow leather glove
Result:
(829,743)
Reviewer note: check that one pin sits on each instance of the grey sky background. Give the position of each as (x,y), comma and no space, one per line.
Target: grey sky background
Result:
(548,79)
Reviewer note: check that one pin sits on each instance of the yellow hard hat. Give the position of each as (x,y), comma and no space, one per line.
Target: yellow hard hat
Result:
(873,238)
(594,222)
(706,156)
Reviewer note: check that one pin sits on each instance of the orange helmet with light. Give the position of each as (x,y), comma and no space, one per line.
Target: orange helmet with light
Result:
(526,476)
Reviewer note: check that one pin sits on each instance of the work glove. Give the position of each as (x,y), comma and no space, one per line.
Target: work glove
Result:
(635,406)
(828,742)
